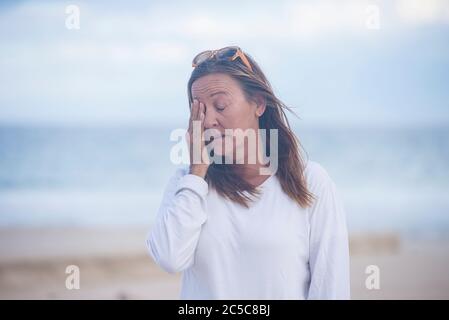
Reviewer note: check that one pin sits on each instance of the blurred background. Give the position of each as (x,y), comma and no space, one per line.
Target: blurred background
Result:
(90,91)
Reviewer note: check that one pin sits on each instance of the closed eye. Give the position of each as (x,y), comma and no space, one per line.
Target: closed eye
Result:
(220,108)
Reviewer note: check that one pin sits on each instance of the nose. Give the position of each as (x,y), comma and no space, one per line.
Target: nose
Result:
(210,120)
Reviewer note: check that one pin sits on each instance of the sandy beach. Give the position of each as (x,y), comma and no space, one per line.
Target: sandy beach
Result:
(114,264)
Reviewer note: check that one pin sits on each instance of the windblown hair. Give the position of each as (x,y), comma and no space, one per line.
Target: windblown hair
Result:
(224,177)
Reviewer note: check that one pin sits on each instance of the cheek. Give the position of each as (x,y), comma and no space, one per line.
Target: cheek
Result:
(224,147)
(239,118)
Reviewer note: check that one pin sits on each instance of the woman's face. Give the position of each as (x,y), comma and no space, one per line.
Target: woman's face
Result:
(226,108)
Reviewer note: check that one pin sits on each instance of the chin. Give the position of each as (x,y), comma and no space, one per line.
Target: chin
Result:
(219,153)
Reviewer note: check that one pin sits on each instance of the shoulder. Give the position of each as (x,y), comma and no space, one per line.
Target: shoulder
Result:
(316,176)
(321,185)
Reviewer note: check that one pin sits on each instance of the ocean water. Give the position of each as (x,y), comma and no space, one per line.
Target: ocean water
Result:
(391,178)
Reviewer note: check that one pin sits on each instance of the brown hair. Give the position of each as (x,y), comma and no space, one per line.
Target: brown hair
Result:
(224,177)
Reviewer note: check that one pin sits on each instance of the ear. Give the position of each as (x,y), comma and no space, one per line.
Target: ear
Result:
(260,105)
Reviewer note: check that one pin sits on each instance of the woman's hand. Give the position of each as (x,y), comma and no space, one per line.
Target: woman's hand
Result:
(199,158)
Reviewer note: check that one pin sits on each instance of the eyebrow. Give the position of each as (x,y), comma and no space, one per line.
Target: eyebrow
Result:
(218,92)
(215,93)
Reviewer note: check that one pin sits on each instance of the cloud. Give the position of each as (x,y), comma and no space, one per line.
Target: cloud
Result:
(423,12)
(136,55)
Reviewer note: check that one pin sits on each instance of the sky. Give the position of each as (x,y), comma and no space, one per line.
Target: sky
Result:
(334,62)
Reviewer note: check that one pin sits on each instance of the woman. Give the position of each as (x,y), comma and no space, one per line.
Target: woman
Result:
(233,232)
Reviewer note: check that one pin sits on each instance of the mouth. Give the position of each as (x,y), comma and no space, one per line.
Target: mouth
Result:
(213,138)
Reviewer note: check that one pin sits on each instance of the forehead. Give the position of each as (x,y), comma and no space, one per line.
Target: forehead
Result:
(214,83)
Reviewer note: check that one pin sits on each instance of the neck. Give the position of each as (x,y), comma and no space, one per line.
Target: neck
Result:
(250,170)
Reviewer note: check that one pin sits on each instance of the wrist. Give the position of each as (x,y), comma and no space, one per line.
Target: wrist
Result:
(198,170)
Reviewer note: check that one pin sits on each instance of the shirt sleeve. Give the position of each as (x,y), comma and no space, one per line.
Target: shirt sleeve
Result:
(329,248)
(174,234)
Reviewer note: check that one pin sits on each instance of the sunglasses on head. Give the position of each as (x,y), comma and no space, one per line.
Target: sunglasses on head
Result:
(226,53)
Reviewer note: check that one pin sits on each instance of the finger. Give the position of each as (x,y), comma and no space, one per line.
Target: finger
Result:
(201,117)
(196,108)
(191,108)
(205,153)
(192,111)
(201,112)
(203,133)
(192,114)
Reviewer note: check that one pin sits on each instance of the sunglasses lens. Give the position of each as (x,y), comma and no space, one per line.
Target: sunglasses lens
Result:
(227,52)
(201,57)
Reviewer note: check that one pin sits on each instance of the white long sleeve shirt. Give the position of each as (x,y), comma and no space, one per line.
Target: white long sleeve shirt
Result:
(273,250)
